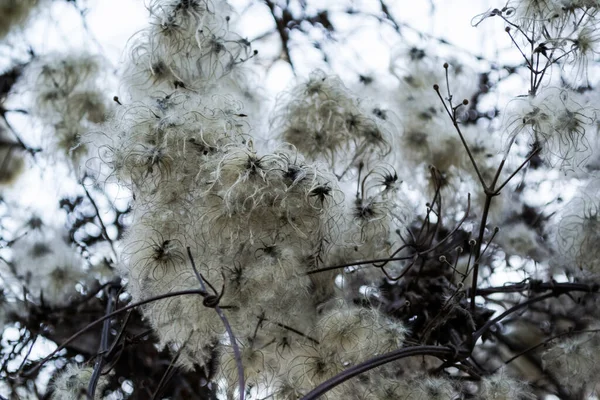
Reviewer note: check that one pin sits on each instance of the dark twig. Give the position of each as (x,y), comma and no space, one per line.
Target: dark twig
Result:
(403,258)
(289,328)
(454,120)
(232,338)
(22,144)
(27,355)
(102,226)
(533,153)
(486,209)
(511,310)
(548,340)
(91,390)
(283,30)
(113,349)
(108,316)
(167,375)
(536,286)
(389,16)
(440,352)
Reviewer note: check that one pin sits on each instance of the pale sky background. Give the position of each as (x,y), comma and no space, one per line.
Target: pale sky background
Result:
(113,22)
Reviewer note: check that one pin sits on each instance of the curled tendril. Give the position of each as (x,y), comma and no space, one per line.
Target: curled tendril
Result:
(212,300)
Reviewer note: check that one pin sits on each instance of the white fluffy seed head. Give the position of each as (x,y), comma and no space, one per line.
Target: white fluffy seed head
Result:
(172,138)
(577,234)
(184,321)
(532,16)
(573,362)
(188,45)
(521,239)
(66,95)
(419,388)
(325,121)
(72,383)
(53,78)
(558,121)
(153,253)
(500,386)
(357,333)
(311,364)
(260,364)
(50,267)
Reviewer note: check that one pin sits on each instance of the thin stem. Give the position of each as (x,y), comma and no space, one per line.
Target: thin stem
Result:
(232,338)
(533,153)
(102,226)
(27,355)
(113,348)
(531,348)
(355,263)
(289,328)
(511,310)
(82,13)
(108,316)
(386,260)
(30,150)
(518,28)
(462,139)
(91,390)
(538,287)
(434,351)
(496,176)
(167,375)
(448,89)
(487,245)
(527,61)
(283,30)
(532,74)
(389,16)
(489,195)
(486,209)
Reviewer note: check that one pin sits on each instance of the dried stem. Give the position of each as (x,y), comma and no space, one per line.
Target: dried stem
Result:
(440,352)
(108,316)
(511,310)
(91,390)
(232,338)
(102,226)
(548,340)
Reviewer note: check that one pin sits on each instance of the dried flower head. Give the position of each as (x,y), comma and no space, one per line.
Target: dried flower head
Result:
(188,45)
(357,333)
(50,267)
(573,361)
(558,121)
(67,96)
(578,231)
(500,386)
(326,122)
